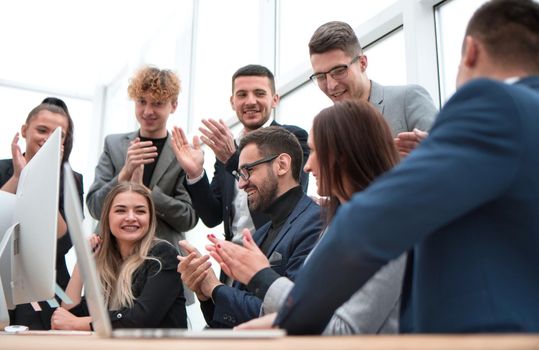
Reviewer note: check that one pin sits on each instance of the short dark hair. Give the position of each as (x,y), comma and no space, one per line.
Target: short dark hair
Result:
(276,140)
(354,146)
(509,31)
(335,35)
(254,70)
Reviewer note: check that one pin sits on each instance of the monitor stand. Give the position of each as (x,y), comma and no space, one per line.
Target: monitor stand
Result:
(6,246)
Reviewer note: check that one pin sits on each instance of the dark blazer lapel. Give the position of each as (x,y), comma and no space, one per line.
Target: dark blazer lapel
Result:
(377,96)
(261,234)
(300,208)
(163,163)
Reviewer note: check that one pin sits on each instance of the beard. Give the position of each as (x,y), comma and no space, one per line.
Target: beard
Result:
(266,194)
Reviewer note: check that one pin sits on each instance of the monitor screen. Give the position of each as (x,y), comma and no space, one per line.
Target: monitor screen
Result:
(33,257)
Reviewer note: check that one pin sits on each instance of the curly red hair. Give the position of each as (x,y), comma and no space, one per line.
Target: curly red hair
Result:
(161,84)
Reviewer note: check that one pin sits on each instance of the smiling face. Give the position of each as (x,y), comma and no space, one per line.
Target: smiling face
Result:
(129,218)
(38,129)
(263,185)
(152,115)
(253,100)
(356,84)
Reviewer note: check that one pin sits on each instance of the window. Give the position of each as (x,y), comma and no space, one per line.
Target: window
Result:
(451,20)
(293,50)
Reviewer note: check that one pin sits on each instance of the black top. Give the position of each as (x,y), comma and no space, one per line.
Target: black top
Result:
(158,292)
(150,167)
(279,211)
(24,314)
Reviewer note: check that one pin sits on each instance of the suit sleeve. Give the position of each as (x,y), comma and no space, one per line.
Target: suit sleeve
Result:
(105,179)
(450,174)
(373,307)
(419,108)
(207,198)
(233,306)
(175,209)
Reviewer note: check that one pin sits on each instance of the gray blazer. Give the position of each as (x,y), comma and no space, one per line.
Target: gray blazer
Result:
(404,107)
(373,309)
(173,207)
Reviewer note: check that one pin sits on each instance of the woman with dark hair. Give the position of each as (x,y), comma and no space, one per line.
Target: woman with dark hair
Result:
(137,270)
(350,146)
(39,125)
(68,141)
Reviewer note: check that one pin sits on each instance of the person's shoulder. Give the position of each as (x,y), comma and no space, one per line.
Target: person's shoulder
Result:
(162,247)
(403,89)
(479,88)
(112,138)
(308,206)
(296,130)
(165,252)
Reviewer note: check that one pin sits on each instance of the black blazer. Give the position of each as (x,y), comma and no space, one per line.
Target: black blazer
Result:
(213,202)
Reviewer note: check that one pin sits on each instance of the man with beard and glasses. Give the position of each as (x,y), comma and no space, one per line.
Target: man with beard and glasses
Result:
(270,163)
(221,201)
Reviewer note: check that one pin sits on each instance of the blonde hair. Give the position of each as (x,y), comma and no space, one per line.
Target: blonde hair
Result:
(116,274)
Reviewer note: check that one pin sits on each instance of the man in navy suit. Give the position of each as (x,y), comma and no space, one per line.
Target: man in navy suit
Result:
(474,263)
(253,99)
(270,163)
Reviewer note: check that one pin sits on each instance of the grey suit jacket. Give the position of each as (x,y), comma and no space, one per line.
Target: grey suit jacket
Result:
(404,107)
(373,309)
(173,207)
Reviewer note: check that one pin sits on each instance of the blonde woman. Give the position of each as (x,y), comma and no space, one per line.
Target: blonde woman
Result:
(137,270)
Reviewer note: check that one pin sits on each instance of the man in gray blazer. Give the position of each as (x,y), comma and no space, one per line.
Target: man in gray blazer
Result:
(145,156)
(340,71)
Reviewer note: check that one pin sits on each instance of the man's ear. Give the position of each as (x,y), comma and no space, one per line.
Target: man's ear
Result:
(24,127)
(275,100)
(363,62)
(284,161)
(174,106)
(471,52)
(232,103)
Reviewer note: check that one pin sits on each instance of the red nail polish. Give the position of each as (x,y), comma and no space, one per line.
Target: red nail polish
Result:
(218,246)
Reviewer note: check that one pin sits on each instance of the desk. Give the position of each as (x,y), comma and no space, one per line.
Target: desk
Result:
(408,342)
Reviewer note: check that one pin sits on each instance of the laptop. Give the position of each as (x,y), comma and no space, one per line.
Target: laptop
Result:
(94,295)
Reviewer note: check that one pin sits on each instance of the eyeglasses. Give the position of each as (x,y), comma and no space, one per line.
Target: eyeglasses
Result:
(244,171)
(338,73)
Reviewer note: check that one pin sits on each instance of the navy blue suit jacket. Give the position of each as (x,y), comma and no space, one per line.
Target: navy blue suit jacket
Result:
(234,305)
(466,202)
(213,202)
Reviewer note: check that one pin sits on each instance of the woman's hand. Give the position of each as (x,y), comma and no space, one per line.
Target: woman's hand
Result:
(65,320)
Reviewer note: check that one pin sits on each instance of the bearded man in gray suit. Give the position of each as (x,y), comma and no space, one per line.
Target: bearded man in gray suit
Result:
(340,71)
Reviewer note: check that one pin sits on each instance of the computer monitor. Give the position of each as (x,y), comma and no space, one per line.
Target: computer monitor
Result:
(32,245)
